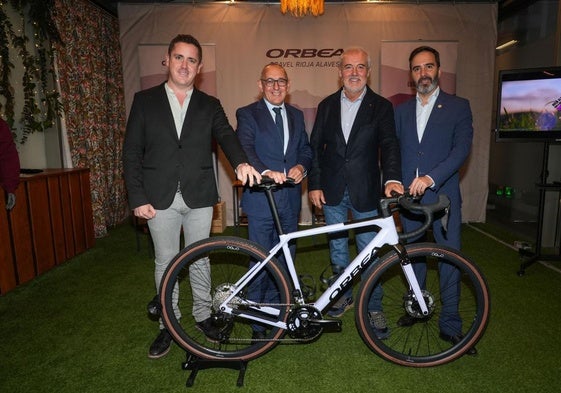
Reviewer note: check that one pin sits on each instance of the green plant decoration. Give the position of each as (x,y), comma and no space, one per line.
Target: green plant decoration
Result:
(41,106)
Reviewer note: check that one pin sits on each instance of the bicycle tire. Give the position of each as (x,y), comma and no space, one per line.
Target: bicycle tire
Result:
(420,344)
(229,259)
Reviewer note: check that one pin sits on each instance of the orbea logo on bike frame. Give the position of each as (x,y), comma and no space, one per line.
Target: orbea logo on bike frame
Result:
(305,57)
(347,281)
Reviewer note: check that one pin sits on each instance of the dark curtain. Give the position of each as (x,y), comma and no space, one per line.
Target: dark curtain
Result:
(92,96)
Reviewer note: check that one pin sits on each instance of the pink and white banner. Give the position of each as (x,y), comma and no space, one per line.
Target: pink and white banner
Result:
(396,84)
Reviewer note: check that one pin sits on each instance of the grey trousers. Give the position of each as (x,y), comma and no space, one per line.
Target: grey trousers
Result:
(166,228)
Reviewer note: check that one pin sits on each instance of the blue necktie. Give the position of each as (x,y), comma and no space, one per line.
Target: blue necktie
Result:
(278,122)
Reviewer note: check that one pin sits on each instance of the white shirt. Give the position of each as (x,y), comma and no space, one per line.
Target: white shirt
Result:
(177,109)
(349,109)
(424,111)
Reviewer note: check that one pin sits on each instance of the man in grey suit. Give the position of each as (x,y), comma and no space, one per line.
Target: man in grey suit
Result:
(353,134)
(435,133)
(169,171)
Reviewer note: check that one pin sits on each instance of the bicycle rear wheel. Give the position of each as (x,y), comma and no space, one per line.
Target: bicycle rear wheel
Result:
(229,259)
(419,343)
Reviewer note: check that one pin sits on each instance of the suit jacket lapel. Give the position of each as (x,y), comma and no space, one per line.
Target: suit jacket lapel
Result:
(434,115)
(162,108)
(362,115)
(335,117)
(290,118)
(192,111)
(411,121)
(266,118)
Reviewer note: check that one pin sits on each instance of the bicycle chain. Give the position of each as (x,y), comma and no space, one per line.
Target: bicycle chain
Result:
(232,304)
(276,339)
(235,304)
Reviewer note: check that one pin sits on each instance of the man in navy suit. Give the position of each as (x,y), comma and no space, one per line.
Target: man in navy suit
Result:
(353,134)
(169,171)
(435,132)
(278,151)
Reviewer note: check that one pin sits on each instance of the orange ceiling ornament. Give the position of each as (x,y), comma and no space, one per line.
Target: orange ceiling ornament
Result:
(300,8)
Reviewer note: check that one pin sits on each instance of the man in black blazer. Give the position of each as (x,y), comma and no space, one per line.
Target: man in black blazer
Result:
(169,171)
(353,134)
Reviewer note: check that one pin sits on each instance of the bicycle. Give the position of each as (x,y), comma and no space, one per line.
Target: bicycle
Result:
(290,318)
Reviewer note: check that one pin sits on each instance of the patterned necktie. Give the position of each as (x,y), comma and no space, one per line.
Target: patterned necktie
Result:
(278,122)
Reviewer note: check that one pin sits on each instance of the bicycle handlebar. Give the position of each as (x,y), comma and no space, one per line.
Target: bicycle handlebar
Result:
(407,201)
(267,183)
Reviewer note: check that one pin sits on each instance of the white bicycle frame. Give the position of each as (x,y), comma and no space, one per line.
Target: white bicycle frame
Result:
(386,234)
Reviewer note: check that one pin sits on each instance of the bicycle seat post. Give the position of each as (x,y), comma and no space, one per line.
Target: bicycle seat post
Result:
(273,206)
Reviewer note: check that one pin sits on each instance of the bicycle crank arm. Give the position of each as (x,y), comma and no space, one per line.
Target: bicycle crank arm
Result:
(330,325)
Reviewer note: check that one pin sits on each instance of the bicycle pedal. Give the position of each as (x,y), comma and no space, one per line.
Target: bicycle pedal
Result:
(328,325)
(308,286)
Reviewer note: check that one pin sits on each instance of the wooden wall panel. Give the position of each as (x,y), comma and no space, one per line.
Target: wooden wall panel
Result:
(8,279)
(51,222)
(57,219)
(41,229)
(87,208)
(20,229)
(67,217)
(77,209)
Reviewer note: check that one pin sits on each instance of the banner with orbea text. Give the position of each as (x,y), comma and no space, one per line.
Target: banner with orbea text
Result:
(240,38)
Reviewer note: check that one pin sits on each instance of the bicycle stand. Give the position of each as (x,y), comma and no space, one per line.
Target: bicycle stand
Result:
(195,364)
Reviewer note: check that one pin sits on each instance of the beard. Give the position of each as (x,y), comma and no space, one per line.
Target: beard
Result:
(355,87)
(427,85)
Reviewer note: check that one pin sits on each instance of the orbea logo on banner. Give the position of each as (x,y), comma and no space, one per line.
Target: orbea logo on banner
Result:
(303,57)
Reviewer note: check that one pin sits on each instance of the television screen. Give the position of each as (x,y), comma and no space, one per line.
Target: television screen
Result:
(529,105)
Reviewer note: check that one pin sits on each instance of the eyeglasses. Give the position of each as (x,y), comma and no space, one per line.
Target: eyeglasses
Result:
(270,82)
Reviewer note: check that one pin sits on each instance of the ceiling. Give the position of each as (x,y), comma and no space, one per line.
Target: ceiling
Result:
(506,7)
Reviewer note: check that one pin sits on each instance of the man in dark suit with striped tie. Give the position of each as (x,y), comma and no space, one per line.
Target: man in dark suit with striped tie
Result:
(274,137)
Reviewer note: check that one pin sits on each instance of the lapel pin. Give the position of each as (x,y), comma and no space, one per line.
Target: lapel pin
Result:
(439,106)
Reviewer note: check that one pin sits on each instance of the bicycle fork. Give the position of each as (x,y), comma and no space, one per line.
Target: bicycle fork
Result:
(411,278)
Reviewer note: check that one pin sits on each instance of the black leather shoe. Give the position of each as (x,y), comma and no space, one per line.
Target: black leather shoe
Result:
(161,345)
(210,331)
(258,335)
(407,320)
(154,307)
(456,339)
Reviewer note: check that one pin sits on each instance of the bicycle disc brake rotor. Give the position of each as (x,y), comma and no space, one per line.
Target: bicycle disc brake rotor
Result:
(412,305)
(299,323)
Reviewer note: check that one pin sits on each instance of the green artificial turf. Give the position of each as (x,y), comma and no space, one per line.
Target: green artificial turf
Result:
(83,327)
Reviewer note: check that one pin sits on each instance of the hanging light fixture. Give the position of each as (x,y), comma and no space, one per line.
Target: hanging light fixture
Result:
(300,8)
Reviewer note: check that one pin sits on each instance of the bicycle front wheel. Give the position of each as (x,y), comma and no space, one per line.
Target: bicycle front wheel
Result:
(222,261)
(458,307)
